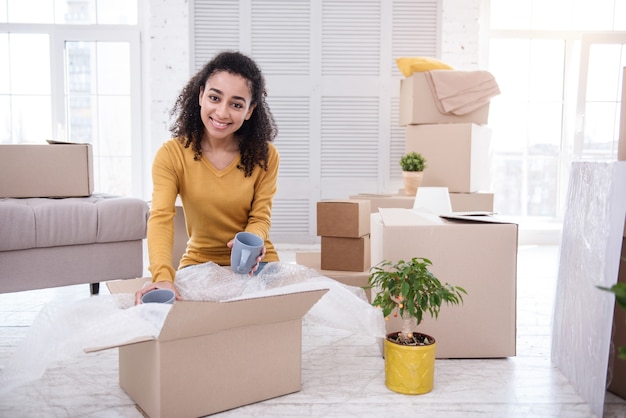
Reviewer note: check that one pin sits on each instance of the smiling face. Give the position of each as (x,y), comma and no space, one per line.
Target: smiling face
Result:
(225,104)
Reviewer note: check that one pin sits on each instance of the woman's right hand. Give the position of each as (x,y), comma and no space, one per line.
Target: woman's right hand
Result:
(156,285)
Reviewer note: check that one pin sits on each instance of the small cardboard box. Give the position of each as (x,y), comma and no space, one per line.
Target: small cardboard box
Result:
(470,202)
(458,156)
(312,259)
(215,356)
(618,337)
(476,253)
(347,254)
(418,106)
(385,200)
(46,170)
(343,218)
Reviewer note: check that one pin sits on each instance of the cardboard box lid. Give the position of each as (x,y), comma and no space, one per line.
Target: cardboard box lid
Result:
(187,319)
(403,217)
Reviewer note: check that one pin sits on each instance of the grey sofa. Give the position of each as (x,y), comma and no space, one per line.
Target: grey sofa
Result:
(49,242)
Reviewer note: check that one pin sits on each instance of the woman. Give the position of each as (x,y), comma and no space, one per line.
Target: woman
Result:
(222,164)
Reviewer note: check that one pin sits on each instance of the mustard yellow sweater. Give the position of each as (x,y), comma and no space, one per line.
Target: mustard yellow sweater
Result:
(217,204)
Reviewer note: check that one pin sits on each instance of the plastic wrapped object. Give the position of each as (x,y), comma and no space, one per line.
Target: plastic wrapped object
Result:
(62,331)
(590,252)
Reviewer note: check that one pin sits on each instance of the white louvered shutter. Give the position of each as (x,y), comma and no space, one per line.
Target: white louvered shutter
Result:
(332,87)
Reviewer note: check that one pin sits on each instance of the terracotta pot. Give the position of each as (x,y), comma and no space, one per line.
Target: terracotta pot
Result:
(412,181)
(409,370)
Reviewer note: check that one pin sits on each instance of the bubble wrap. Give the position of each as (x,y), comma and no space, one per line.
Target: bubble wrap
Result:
(63,331)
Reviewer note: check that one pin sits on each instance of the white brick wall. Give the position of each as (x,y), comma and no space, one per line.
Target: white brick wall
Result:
(461,34)
(165,65)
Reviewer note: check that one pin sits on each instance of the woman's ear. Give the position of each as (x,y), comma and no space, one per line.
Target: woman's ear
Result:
(250,110)
(200,96)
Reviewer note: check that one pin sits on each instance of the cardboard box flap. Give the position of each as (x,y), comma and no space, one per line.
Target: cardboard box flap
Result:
(404,216)
(476,218)
(192,318)
(127,285)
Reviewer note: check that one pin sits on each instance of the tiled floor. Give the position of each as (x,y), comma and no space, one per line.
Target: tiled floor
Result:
(342,373)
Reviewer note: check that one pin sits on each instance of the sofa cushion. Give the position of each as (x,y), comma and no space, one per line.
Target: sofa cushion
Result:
(43,222)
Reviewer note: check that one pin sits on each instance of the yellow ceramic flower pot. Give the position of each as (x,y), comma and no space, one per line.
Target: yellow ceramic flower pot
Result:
(409,369)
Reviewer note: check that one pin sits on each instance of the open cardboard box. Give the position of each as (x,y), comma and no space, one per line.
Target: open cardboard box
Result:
(478,253)
(215,356)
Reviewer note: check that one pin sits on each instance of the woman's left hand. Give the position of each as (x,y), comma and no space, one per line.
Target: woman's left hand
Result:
(258,261)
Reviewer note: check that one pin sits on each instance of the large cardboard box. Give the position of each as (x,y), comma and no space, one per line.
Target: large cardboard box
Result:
(204,360)
(381,200)
(478,255)
(343,218)
(312,259)
(418,106)
(348,254)
(472,202)
(46,170)
(458,156)
(618,338)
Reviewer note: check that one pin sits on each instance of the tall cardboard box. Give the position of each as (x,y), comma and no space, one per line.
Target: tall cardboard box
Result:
(458,156)
(202,362)
(47,170)
(347,218)
(477,254)
(418,106)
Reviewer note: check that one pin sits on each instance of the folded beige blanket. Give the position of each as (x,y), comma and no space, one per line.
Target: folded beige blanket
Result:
(461,92)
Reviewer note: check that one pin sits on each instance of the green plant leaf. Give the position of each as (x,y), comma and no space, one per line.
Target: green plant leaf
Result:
(619,289)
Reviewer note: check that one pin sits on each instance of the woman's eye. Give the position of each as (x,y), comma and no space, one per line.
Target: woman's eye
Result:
(213,98)
(237,105)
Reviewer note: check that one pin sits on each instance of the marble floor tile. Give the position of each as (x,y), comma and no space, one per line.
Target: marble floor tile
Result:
(342,373)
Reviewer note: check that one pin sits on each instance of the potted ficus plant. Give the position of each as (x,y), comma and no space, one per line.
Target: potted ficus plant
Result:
(413,165)
(408,289)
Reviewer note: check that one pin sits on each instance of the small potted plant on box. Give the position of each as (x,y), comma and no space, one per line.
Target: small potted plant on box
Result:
(413,165)
(408,289)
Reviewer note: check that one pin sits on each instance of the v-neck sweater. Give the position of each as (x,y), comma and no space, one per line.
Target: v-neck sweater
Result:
(217,204)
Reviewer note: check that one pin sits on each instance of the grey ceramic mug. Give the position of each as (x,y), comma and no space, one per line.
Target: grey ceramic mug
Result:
(246,248)
(159,296)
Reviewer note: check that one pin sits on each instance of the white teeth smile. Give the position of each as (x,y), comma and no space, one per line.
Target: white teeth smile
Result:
(218,124)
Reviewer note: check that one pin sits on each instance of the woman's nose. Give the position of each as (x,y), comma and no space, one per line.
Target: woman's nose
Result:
(222,109)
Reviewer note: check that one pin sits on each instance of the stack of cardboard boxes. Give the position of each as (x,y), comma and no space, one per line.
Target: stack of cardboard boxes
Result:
(344,228)
(478,253)
(345,249)
(457,148)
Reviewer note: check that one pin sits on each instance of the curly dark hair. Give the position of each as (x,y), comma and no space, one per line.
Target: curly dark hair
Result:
(254,134)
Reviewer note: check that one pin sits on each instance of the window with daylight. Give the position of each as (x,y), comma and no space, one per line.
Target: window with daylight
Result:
(559,66)
(69,71)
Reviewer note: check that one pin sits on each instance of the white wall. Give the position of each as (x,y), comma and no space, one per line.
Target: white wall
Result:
(166,62)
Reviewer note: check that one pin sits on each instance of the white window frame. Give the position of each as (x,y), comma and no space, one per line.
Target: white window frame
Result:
(58,35)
